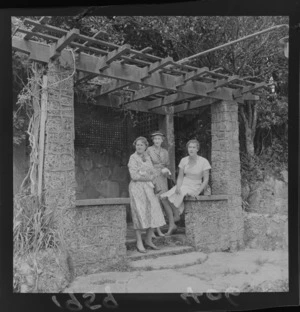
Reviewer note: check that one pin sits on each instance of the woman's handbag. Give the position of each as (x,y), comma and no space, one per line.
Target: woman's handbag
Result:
(171,183)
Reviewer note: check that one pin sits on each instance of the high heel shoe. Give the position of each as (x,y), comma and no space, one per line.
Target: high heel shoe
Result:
(140,250)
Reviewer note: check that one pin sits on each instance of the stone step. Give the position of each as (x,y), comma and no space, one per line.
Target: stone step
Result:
(172,240)
(134,255)
(170,261)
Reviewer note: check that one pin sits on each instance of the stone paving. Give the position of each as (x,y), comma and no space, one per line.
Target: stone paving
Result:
(245,270)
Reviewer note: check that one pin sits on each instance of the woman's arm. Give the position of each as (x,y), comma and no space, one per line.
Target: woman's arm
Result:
(179,180)
(134,171)
(205,181)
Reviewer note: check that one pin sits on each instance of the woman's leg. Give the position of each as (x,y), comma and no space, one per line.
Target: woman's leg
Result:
(160,233)
(139,241)
(175,212)
(148,239)
(169,212)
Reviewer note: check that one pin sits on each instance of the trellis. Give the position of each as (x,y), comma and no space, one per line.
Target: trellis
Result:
(154,84)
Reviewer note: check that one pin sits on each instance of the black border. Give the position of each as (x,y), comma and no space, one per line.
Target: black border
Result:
(145,302)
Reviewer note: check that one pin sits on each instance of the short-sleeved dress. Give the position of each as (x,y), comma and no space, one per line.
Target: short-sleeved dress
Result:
(145,206)
(191,183)
(160,160)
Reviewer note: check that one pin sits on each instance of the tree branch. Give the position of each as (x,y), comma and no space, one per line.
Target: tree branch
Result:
(242,112)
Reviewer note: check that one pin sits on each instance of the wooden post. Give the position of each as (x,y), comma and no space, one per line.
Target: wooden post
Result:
(166,124)
(42,134)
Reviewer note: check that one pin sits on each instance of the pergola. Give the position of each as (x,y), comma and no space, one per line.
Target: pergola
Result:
(157,85)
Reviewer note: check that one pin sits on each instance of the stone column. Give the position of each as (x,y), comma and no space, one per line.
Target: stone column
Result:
(59,162)
(226,176)
(166,124)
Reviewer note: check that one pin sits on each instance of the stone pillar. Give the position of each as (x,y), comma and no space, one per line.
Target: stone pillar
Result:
(166,124)
(59,162)
(225,158)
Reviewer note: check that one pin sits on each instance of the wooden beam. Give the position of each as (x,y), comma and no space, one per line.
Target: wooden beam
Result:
(114,55)
(239,93)
(226,81)
(143,93)
(37,34)
(133,56)
(28,21)
(194,105)
(114,101)
(56,49)
(42,20)
(193,75)
(158,65)
(37,51)
(43,117)
(111,86)
(129,73)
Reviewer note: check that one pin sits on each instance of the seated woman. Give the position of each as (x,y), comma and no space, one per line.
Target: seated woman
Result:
(145,207)
(192,169)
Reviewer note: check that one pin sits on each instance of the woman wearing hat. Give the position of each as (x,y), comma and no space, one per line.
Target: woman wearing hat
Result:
(192,170)
(160,161)
(145,206)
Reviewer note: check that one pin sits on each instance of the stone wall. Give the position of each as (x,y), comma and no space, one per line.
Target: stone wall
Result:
(208,226)
(226,177)
(266,219)
(269,196)
(265,231)
(59,163)
(100,175)
(98,236)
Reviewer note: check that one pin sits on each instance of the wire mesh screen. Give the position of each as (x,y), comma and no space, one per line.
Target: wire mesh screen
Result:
(146,123)
(100,129)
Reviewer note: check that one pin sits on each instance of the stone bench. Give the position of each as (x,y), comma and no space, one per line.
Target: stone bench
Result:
(207,222)
(99,233)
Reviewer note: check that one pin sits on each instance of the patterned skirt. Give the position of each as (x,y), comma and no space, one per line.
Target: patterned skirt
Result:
(145,206)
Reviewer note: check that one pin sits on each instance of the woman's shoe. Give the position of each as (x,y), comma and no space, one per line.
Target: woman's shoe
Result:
(140,250)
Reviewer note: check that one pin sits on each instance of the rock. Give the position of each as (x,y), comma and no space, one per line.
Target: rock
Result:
(269,197)
(51,272)
(266,231)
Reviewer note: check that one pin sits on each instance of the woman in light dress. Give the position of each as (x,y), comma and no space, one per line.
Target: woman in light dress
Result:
(192,170)
(160,160)
(145,206)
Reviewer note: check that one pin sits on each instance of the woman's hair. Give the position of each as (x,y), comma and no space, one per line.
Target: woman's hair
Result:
(141,138)
(193,141)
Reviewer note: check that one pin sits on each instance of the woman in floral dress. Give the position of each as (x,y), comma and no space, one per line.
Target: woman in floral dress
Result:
(145,206)
(160,160)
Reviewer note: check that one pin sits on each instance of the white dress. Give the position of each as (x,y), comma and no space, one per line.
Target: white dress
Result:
(191,183)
